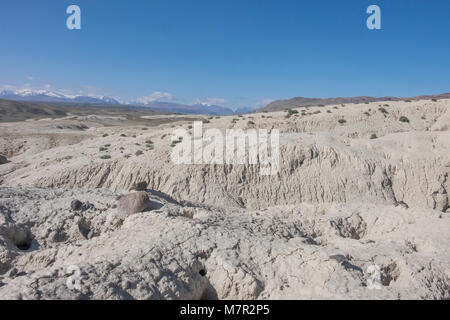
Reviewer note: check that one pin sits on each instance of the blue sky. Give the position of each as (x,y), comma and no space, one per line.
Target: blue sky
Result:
(230,52)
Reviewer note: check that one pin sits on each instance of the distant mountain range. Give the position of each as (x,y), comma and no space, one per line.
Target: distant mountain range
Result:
(169,107)
(201,108)
(53,96)
(304,102)
(187,109)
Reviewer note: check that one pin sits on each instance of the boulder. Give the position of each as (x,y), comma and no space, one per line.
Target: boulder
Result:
(132,203)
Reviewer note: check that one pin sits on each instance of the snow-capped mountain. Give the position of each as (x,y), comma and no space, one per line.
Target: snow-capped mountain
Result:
(53,96)
(186,109)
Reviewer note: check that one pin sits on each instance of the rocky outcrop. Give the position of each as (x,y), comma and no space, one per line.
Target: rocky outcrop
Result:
(285,252)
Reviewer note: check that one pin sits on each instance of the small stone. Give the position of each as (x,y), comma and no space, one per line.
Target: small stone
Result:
(76,204)
(86,206)
(12,272)
(132,203)
(140,186)
(3,160)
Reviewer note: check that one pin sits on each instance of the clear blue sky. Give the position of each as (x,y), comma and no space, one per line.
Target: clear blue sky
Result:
(241,51)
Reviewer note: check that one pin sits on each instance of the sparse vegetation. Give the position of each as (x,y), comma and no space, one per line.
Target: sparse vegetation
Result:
(206,121)
(105,156)
(139,152)
(403,119)
(342,121)
(373,136)
(175,142)
(434,100)
(290,113)
(102,149)
(105,135)
(383,110)
(123,135)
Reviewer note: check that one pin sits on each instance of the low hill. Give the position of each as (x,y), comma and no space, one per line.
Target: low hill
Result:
(22,110)
(305,102)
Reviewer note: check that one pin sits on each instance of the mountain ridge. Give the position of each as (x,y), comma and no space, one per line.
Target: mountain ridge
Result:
(298,102)
(54,96)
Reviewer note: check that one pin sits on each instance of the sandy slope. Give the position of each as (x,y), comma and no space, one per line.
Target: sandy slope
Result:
(341,203)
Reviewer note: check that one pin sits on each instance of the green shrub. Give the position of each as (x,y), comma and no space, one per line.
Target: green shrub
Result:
(139,152)
(105,156)
(123,135)
(206,121)
(373,136)
(342,121)
(434,100)
(403,119)
(105,135)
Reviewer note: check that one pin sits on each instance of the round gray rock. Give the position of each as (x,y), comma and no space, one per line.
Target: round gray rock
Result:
(132,203)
